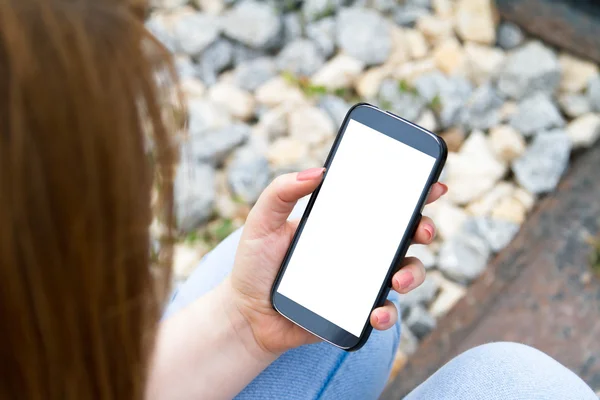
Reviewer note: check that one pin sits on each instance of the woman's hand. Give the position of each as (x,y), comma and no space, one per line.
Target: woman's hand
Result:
(264,242)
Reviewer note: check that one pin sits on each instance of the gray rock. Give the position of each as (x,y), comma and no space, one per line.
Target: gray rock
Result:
(384,6)
(530,69)
(464,257)
(322,32)
(419,3)
(408,14)
(408,341)
(243,53)
(423,253)
(535,114)
(168,4)
(194,194)
(509,36)
(497,233)
(214,145)
(482,110)
(540,168)
(157,27)
(451,93)
(248,174)
(300,57)
(335,107)
(364,34)
(292,27)
(593,92)
(184,67)
(204,116)
(316,9)
(217,57)
(421,295)
(574,104)
(252,74)
(195,32)
(252,23)
(405,104)
(420,322)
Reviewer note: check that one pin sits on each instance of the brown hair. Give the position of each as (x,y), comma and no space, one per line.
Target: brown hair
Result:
(84,141)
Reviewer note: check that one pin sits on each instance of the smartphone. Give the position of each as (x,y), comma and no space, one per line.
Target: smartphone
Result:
(357,225)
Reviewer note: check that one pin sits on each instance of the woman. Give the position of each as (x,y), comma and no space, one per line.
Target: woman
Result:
(86,125)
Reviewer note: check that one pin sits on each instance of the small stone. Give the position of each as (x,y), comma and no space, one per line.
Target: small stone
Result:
(574,105)
(214,7)
(195,32)
(216,57)
(274,122)
(464,257)
(408,341)
(443,8)
(277,91)
(498,233)
(448,219)
(367,85)
(335,107)
(530,69)
(576,73)
(205,115)
(168,4)
(428,121)
(593,92)
(185,68)
(236,101)
(449,95)
(450,293)
(539,169)
(339,72)
(411,71)
(300,58)
(252,23)
(506,143)
(287,151)
(483,62)
(194,194)
(192,87)
(310,125)
(482,110)
(421,295)
(484,205)
(405,104)
(423,253)
(507,110)
(536,113)
(160,26)
(317,9)
(364,34)
(250,75)
(399,54)
(248,174)
(416,44)
(408,14)
(243,54)
(473,171)
(185,259)
(383,6)
(434,28)
(449,56)
(509,209)
(525,198)
(454,138)
(292,27)
(420,322)
(475,21)
(213,146)
(509,36)
(584,131)
(322,32)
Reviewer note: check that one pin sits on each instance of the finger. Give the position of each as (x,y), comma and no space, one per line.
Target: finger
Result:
(411,275)
(438,189)
(277,201)
(425,232)
(385,317)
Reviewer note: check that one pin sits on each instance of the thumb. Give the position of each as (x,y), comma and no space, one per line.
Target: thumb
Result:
(278,200)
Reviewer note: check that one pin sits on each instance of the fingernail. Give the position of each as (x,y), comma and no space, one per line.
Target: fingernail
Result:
(404,280)
(430,231)
(445,187)
(310,174)
(383,318)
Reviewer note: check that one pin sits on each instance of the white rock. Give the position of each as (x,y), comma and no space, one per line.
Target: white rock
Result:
(170,4)
(192,87)
(435,28)
(214,7)
(524,197)
(428,121)
(364,34)
(339,72)
(277,91)
(475,21)
(287,151)
(410,71)
(400,53)
(448,219)
(574,104)
(584,131)
(449,294)
(482,62)
(507,111)
(253,23)
(300,57)
(238,102)
(449,56)
(185,259)
(509,209)
(367,85)
(485,204)
(416,44)
(506,143)
(575,73)
(195,32)
(274,121)
(443,8)
(423,253)
(310,125)
(474,170)
(464,257)
(205,115)
(498,233)
(536,113)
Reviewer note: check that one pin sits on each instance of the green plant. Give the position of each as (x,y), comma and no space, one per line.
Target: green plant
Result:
(385,104)
(436,104)
(405,87)
(222,229)
(192,237)
(595,256)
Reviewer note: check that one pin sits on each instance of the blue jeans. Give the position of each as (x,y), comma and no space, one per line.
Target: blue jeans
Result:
(320,371)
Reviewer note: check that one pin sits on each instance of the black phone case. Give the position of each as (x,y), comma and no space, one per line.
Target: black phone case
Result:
(403,246)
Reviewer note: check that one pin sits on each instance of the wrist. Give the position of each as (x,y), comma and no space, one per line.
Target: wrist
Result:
(240,325)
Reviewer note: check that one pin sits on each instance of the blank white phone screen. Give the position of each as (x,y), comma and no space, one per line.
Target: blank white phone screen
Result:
(350,238)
